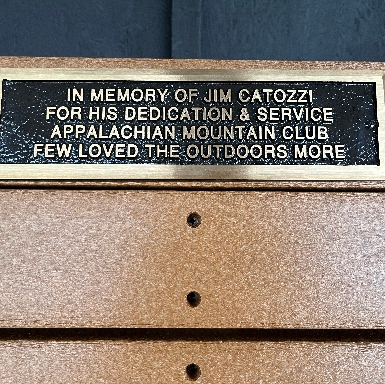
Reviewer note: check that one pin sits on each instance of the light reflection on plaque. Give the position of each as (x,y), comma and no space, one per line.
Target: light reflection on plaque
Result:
(207,125)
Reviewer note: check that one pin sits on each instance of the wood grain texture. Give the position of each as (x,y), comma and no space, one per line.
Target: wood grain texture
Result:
(160,362)
(83,258)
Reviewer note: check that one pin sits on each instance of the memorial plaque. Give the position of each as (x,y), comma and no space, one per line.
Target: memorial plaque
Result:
(137,124)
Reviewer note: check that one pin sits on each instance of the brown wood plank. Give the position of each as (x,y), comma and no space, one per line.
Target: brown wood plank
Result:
(165,362)
(76,258)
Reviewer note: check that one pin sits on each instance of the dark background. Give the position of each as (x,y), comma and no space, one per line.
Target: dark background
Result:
(220,29)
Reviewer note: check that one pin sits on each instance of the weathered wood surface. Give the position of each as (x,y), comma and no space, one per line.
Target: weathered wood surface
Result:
(165,362)
(116,258)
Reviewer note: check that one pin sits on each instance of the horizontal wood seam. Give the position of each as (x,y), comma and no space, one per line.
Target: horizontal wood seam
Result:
(189,187)
(195,334)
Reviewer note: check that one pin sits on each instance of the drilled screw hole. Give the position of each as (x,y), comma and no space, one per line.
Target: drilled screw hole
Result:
(193,371)
(193,220)
(193,298)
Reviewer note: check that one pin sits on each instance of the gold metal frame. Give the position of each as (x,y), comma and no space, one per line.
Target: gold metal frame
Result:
(200,172)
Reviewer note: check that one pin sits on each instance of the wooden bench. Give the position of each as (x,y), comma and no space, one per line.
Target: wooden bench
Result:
(95,275)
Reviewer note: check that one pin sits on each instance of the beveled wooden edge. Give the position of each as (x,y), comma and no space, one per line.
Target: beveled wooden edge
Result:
(71,62)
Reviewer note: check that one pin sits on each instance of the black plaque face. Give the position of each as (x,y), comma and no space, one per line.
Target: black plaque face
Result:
(189,123)
(197,124)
